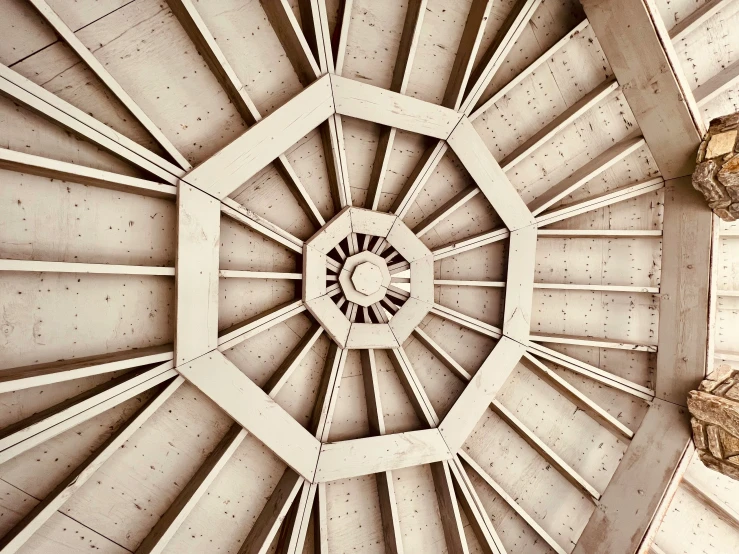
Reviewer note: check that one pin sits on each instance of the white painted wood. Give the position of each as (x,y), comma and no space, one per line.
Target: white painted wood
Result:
(328,393)
(113,86)
(636,489)
(236,163)
(74,267)
(240,332)
(477,396)
(691,23)
(40,427)
(413,388)
(593,342)
(466,321)
(441,354)
(280,377)
(32,522)
(470,243)
(717,85)
(58,111)
(54,169)
(356,99)
(596,233)
(445,210)
(451,518)
(292,539)
(240,274)
(492,180)
(351,458)
(19,378)
(638,48)
(418,177)
(520,283)
(234,210)
(246,403)
(198,240)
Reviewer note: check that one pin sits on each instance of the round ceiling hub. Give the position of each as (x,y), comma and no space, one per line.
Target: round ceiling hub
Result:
(367,278)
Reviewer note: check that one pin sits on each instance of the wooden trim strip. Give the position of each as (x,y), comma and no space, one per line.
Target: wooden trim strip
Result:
(446,210)
(598,233)
(54,169)
(442,355)
(591,342)
(696,19)
(711,501)
(280,377)
(239,274)
(236,211)
(413,388)
(53,108)
(328,392)
(36,266)
(470,243)
(165,528)
(68,36)
(19,378)
(42,426)
(295,529)
(32,522)
(726,79)
(467,321)
(418,177)
(261,322)
(451,519)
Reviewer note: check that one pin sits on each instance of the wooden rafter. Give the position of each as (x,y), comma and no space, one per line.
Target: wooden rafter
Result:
(240,332)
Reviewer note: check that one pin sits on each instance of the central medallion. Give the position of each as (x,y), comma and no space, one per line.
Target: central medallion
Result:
(348,268)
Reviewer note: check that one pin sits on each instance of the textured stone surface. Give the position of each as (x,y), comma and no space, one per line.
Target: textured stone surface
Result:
(717,172)
(715,410)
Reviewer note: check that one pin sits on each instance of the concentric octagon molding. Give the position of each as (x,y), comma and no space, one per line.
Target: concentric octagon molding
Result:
(362,278)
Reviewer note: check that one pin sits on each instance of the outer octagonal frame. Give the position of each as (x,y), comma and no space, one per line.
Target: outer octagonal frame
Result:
(225,171)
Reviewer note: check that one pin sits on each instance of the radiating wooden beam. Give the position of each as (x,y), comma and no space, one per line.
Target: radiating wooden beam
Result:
(600,233)
(492,59)
(557,286)
(54,169)
(280,377)
(442,355)
(717,85)
(68,36)
(591,371)
(599,201)
(273,514)
(711,501)
(446,210)
(19,378)
(529,69)
(418,177)
(467,410)
(401,75)
(79,267)
(196,282)
(254,410)
(328,392)
(467,321)
(243,158)
(472,505)
(562,121)
(451,518)
(288,30)
(545,451)
(236,211)
(591,342)
(633,495)
(51,422)
(640,53)
(295,529)
(470,243)
(702,14)
(413,388)
(587,172)
(240,274)
(531,522)
(165,528)
(352,458)
(687,240)
(240,332)
(51,107)
(582,401)
(33,521)
(485,171)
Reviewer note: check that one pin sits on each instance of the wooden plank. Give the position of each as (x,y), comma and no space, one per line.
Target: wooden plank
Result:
(320,535)
(442,355)
(413,388)
(582,401)
(76,267)
(196,282)
(19,378)
(591,371)
(599,201)
(470,243)
(341,34)
(638,48)
(505,38)
(68,36)
(711,501)
(328,392)
(445,210)
(246,403)
(467,321)
(633,495)
(46,424)
(531,522)
(492,180)
(165,528)
(529,69)
(295,530)
(717,85)
(684,302)
(487,537)
(273,514)
(48,105)
(519,295)
(418,177)
(240,160)
(592,342)
(467,410)
(240,274)
(33,521)
(451,519)
(559,123)
(691,23)
(259,323)
(352,458)
(357,99)
(545,451)
(236,211)
(469,44)
(582,175)
(54,169)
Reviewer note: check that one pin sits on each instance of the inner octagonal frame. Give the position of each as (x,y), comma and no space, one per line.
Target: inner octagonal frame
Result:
(197,357)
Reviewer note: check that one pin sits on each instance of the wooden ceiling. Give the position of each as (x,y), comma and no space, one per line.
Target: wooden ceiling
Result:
(170,170)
